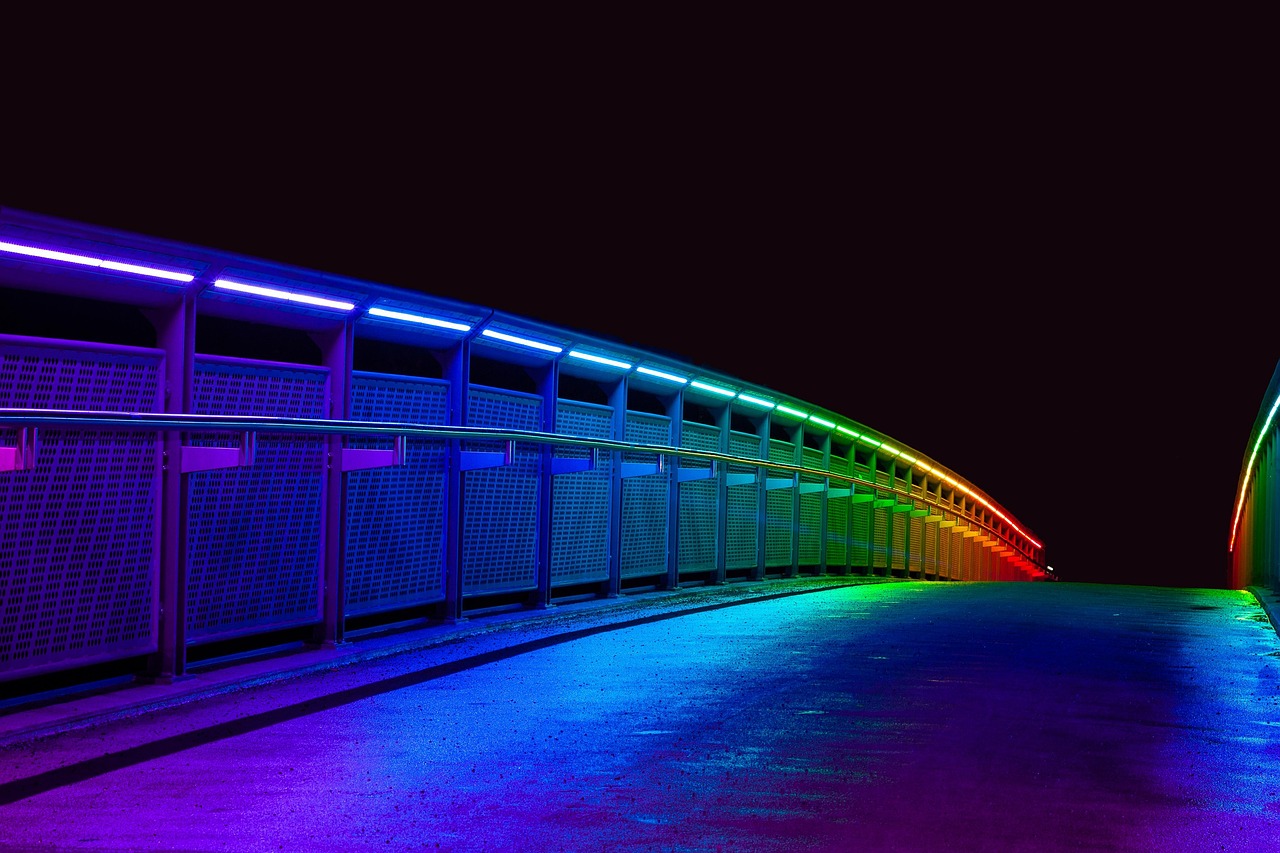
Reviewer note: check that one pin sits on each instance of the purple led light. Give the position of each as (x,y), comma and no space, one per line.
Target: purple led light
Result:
(286,295)
(90,261)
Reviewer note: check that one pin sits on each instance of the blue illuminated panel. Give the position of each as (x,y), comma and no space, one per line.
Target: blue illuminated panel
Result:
(78,532)
(778,507)
(644,501)
(254,533)
(394,548)
(500,512)
(698,502)
(743,503)
(580,500)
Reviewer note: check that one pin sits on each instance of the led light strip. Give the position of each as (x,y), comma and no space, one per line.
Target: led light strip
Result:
(724,392)
(670,377)
(418,318)
(285,295)
(599,359)
(524,342)
(89,261)
(1248,472)
(756,401)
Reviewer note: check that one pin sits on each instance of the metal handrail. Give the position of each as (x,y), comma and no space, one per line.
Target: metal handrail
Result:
(153,421)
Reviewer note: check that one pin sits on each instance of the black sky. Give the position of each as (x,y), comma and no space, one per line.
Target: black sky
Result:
(1060,290)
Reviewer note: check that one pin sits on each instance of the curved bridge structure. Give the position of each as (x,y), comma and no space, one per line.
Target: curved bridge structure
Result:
(202,453)
(1254,547)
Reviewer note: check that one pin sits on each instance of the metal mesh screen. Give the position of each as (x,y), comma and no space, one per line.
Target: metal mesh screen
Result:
(880,545)
(742,504)
(500,515)
(944,550)
(915,539)
(930,551)
(838,517)
(254,533)
(810,545)
(698,502)
(394,550)
(898,525)
(78,533)
(778,509)
(861,544)
(580,501)
(644,501)
(880,537)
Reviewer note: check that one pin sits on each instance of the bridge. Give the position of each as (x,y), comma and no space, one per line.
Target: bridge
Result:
(225,480)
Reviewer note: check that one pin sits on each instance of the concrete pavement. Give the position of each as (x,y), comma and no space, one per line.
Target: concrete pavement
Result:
(815,714)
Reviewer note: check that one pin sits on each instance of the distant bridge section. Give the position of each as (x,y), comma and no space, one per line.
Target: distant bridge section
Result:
(1254,546)
(203,453)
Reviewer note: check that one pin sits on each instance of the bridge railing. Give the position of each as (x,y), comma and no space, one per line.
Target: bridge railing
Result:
(1254,547)
(370,456)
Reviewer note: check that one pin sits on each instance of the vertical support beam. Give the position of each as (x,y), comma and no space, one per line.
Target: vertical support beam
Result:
(764,428)
(906,527)
(797,458)
(548,382)
(848,512)
(457,370)
(618,401)
(723,421)
(336,351)
(823,569)
(175,328)
(892,523)
(675,411)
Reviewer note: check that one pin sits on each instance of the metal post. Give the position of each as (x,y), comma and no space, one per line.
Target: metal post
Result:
(618,401)
(337,347)
(176,335)
(723,421)
(764,429)
(458,373)
(548,387)
(675,411)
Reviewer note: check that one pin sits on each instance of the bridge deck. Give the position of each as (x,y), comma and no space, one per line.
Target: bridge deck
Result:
(892,715)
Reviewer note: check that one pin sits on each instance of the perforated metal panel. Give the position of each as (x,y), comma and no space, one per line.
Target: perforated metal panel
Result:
(394,550)
(838,517)
(778,509)
(644,501)
(580,502)
(898,526)
(811,512)
(79,533)
(944,551)
(742,523)
(880,537)
(254,533)
(698,514)
(861,544)
(930,551)
(915,541)
(500,505)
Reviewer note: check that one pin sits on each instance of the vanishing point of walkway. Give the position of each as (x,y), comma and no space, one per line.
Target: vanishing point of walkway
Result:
(816,714)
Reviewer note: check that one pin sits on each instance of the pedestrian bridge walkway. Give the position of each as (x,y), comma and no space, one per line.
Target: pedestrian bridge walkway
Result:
(806,714)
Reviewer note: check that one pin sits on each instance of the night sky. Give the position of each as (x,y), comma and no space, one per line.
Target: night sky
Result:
(1065,303)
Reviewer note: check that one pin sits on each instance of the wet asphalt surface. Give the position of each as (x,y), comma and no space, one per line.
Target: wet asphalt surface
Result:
(888,716)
